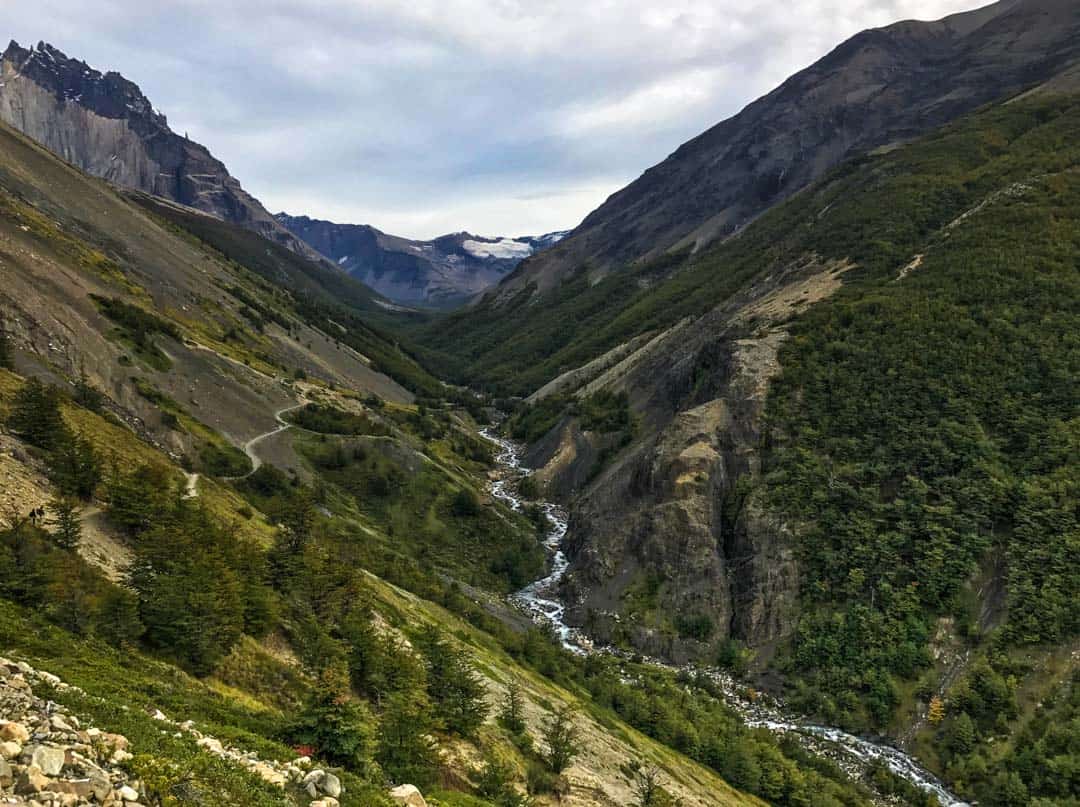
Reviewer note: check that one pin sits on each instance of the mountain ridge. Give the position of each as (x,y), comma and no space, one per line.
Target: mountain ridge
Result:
(881,86)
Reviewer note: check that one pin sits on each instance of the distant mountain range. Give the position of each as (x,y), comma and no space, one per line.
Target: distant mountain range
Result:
(103,124)
(442,272)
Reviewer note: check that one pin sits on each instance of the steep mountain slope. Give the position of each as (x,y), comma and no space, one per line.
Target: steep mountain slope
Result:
(78,264)
(880,88)
(443,272)
(857,472)
(105,125)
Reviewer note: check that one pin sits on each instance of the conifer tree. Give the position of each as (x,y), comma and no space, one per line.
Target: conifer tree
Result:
(118,619)
(66,523)
(5,350)
(74,466)
(334,723)
(512,713)
(561,736)
(647,787)
(35,415)
(962,734)
(406,751)
(455,689)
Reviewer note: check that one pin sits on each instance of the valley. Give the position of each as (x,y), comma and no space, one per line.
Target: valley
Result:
(759,486)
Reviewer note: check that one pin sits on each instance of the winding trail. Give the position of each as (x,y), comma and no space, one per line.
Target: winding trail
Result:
(249,446)
(540,600)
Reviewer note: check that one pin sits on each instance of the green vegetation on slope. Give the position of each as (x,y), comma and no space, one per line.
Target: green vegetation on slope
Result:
(924,422)
(925,419)
(365,702)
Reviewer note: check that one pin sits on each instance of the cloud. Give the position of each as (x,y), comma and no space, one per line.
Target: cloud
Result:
(502,117)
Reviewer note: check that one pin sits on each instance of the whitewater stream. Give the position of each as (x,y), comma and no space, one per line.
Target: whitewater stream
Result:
(540,599)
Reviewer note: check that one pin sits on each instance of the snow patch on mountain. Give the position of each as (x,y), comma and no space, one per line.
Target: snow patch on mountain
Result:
(503,249)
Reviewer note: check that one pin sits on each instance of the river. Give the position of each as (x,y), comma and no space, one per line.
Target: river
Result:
(540,599)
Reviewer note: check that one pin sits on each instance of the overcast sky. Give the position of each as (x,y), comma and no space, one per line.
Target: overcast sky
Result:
(501,117)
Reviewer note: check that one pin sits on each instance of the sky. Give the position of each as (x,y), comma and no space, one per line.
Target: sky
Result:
(423,117)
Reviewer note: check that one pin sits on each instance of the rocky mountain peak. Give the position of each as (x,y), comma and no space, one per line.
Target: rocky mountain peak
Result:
(72,81)
(105,125)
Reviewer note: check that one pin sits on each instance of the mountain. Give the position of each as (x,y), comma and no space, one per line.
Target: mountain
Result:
(840,452)
(881,87)
(443,272)
(102,123)
(875,91)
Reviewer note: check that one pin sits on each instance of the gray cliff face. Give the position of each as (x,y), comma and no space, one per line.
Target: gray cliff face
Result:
(880,87)
(674,535)
(103,124)
(440,273)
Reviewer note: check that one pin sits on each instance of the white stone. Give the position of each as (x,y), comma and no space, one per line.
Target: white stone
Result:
(48,758)
(211,744)
(408,795)
(330,785)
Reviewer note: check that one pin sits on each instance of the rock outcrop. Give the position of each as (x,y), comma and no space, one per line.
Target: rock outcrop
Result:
(102,123)
(670,547)
(48,756)
(408,796)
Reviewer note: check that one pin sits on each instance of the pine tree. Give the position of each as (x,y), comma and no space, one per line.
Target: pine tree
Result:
(511,715)
(647,787)
(5,350)
(118,619)
(962,734)
(35,415)
(87,395)
(454,687)
(406,751)
(336,725)
(561,736)
(73,466)
(66,523)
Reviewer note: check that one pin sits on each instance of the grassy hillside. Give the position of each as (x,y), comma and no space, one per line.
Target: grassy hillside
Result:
(348,608)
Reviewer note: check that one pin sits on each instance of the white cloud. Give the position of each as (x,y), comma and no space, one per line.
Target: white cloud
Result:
(502,117)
